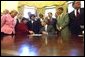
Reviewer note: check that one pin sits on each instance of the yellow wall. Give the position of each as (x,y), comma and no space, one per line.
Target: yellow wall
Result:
(38,4)
(41,10)
(10,5)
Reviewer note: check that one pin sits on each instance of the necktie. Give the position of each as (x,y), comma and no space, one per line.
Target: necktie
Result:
(77,13)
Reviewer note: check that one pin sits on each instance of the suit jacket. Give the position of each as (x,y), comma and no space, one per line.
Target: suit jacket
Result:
(35,26)
(22,29)
(63,21)
(17,22)
(53,22)
(75,22)
(7,24)
(50,29)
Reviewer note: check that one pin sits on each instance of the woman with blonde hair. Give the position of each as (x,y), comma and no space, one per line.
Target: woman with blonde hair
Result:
(8,23)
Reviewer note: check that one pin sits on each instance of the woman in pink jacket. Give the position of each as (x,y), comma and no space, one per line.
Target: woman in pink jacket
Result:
(8,23)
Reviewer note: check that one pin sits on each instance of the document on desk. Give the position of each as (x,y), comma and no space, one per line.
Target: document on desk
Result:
(36,35)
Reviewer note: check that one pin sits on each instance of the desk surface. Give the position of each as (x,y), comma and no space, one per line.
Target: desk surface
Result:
(52,45)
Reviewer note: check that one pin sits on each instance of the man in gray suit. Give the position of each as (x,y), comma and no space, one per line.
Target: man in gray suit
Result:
(47,29)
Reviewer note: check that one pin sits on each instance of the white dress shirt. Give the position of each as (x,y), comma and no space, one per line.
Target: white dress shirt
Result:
(76,11)
(46,28)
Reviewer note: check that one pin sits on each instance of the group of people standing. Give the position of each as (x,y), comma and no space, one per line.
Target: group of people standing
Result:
(63,23)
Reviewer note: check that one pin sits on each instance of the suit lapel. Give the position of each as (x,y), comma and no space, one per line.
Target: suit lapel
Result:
(73,15)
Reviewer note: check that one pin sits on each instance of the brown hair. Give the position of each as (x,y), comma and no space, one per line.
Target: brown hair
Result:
(61,8)
(46,21)
(13,11)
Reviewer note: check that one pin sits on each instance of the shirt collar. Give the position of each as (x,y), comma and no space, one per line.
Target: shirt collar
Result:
(75,11)
(46,25)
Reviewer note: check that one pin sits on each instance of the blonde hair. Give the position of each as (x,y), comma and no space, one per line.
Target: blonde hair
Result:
(13,11)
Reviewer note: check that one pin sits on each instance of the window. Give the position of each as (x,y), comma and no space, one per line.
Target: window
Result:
(82,4)
(70,8)
(50,9)
(29,10)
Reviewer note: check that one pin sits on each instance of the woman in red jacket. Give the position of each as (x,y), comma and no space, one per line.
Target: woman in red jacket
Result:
(22,28)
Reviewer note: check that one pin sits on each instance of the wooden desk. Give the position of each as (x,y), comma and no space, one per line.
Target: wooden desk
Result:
(51,45)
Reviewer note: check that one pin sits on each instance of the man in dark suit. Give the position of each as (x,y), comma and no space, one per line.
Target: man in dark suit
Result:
(52,21)
(76,18)
(34,24)
(47,29)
